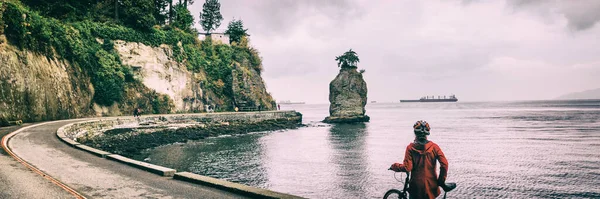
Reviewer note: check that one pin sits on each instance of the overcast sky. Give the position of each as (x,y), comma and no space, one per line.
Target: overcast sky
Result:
(478,50)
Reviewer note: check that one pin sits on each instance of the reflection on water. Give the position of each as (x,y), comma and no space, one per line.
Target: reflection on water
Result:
(244,155)
(350,159)
(495,150)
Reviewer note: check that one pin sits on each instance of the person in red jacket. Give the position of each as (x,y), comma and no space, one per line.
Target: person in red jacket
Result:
(420,160)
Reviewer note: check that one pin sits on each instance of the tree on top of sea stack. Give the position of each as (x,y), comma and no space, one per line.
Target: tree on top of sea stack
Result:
(348,60)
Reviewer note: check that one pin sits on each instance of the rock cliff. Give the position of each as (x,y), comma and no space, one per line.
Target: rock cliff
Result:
(52,70)
(34,87)
(347,97)
(156,69)
(250,90)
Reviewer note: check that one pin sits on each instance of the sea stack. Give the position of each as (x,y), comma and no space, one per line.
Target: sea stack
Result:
(347,92)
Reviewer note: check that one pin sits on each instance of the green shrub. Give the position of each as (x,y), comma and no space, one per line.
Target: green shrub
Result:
(3,122)
(16,29)
(108,79)
(161,104)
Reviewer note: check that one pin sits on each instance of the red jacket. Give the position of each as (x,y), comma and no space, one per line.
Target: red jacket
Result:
(420,160)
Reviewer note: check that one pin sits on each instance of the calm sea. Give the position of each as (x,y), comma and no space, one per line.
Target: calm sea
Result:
(535,149)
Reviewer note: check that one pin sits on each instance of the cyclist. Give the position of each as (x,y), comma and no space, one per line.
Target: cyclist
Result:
(420,160)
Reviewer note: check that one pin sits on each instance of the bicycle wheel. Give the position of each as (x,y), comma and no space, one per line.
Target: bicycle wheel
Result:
(395,194)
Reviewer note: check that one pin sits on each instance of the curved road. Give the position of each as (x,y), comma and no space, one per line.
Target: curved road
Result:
(90,175)
(17,181)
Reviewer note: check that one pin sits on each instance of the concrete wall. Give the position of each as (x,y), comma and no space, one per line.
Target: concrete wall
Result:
(220,37)
(217,38)
(96,127)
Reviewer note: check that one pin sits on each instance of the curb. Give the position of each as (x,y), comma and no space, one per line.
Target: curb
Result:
(172,173)
(97,152)
(163,171)
(230,186)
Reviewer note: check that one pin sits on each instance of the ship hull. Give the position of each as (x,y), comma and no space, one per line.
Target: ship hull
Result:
(431,100)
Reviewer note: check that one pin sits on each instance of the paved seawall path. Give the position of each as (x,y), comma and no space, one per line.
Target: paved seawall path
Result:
(91,176)
(17,181)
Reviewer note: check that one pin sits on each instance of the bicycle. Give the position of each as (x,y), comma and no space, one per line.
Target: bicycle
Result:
(401,194)
(447,187)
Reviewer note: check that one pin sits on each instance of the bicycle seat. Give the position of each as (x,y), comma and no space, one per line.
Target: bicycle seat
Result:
(447,187)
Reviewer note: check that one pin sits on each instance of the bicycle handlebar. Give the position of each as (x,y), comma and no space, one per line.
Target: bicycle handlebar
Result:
(447,187)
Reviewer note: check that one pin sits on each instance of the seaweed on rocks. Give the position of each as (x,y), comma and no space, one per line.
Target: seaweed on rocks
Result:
(130,143)
(118,131)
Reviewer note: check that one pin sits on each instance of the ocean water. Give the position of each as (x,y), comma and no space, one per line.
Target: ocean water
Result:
(534,149)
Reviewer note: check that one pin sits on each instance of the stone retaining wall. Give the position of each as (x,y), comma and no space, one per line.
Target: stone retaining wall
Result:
(96,127)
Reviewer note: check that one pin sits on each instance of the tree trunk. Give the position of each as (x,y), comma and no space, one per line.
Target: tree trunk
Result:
(116,10)
(170,11)
(185,3)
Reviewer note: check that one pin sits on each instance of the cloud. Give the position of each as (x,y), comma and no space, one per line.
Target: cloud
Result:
(580,14)
(590,66)
(280,17)
(517,67)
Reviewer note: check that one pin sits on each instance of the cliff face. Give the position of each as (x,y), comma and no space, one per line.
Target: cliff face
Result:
(155,68)
(158,71)
(347,97)
(53,70)
(34,87)
(249,89)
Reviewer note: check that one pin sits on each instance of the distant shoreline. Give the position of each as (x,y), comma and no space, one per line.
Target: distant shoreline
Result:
(465,101)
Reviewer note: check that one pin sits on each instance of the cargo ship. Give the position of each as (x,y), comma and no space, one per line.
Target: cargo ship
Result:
(451,98)
(289,102)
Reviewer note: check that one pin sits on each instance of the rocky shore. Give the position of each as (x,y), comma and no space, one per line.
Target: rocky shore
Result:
(347,119)
(131,141)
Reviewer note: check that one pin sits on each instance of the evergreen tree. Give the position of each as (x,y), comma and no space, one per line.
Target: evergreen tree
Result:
(187,2)
(183,19)
(160,11)
(63,9)
(236,31)
(348,60)
(210,17)
(138,14)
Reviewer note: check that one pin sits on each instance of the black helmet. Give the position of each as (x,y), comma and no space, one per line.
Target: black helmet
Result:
(421,128)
